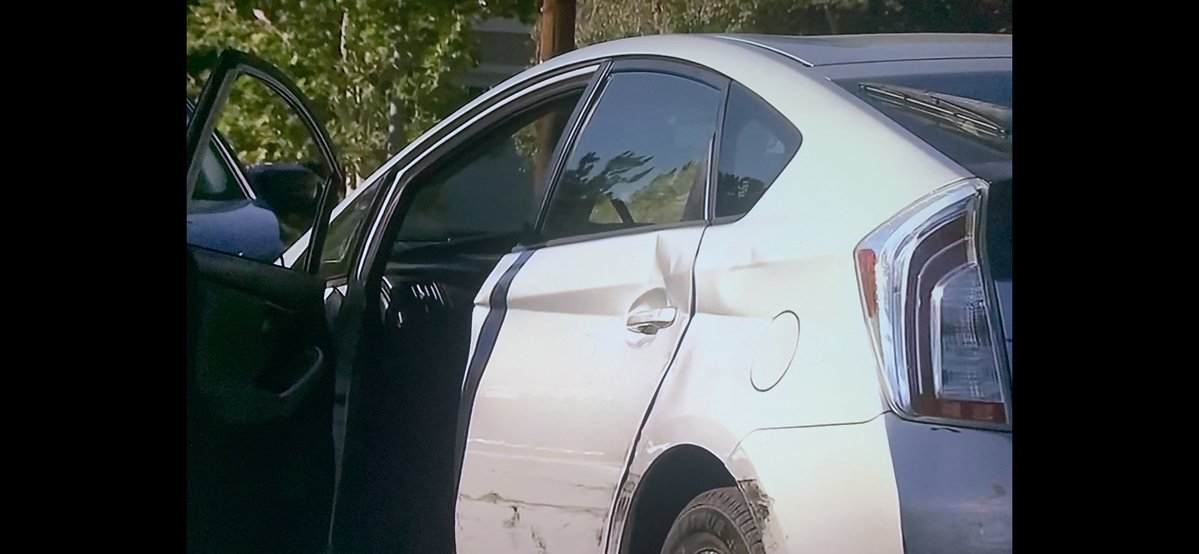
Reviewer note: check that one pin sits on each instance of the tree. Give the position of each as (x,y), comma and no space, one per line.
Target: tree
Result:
(600,20)
(378,72)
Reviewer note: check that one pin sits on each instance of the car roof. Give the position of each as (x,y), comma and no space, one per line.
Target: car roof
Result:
(808,52)
(847,49)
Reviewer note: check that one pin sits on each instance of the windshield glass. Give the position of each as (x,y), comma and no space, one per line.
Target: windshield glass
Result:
(956,98)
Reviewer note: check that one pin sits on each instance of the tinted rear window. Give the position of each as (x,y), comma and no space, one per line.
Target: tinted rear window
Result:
(994,87)
(986,155)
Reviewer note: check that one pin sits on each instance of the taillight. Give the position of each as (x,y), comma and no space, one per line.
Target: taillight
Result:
(931,319)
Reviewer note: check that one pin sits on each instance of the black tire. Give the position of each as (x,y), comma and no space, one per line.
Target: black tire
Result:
(719,522)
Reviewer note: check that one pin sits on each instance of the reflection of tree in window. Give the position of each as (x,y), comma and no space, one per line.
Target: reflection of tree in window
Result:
(583,189)
(663,200)
(641,159)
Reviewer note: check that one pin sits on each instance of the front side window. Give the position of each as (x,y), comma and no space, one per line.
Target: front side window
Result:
(641,159)
(756,143)
(490,187)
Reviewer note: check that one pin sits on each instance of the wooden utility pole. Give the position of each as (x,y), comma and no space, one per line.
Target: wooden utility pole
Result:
(556,35)
(557,28)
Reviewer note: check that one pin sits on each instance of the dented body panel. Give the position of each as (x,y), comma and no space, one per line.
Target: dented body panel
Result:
(796,243)
(572,409)
(566,388)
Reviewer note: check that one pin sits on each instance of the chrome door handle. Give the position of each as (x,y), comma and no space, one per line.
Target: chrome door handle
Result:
(649,322)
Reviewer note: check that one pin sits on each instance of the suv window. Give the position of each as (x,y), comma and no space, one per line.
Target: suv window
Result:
(489,187)
(641,159)
(756,143)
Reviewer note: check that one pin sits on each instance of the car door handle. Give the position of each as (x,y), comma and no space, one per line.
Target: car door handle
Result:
(264,402)
(300,387)
(649,322)
(274,397)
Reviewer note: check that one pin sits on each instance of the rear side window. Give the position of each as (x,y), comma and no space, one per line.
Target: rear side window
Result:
(641,159)
(755,145)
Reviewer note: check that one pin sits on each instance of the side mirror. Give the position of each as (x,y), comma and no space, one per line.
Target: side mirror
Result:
(291,191)
(288,188)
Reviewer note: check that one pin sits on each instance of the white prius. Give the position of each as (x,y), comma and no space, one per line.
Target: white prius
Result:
(682,294)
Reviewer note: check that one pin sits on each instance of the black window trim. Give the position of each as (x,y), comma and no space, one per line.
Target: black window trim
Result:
(642,64)
(574,125)
(714,159)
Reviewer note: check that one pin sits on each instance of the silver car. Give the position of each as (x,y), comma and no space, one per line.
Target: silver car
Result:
(679,294)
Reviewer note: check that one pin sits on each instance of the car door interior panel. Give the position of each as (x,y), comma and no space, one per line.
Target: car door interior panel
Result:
(260,458)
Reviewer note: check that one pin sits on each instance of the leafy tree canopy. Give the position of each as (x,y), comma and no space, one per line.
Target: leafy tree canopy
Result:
(378,72)
(601,20)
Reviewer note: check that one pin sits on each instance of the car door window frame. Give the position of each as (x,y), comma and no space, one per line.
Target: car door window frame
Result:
(231,65)
(638,64)
(477,122)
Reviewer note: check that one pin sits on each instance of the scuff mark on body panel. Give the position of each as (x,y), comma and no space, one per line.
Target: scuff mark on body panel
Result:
(537,540)
(758,500)
(494,498)
(493,523)
(762,506)
(515,518)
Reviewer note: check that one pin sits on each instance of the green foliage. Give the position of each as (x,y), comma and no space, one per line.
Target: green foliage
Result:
(661,200)
(378,72)
(664,199)
(601,20)
(261,128)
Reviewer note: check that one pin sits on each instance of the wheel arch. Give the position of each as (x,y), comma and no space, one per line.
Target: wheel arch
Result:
(673,479)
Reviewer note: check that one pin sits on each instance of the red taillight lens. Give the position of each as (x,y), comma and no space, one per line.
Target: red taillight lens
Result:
(866,261)
(930,318)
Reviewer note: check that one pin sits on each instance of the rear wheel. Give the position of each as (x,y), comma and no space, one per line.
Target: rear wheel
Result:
(719,521)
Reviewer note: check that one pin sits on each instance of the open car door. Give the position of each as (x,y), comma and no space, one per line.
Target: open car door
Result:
(260,173)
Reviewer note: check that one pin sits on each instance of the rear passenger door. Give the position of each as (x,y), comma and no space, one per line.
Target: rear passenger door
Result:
(584,322)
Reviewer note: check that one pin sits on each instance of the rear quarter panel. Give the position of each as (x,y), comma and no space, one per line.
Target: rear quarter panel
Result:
(793,252)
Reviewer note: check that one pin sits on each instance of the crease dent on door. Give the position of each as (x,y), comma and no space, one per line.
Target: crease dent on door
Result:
(566,389)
